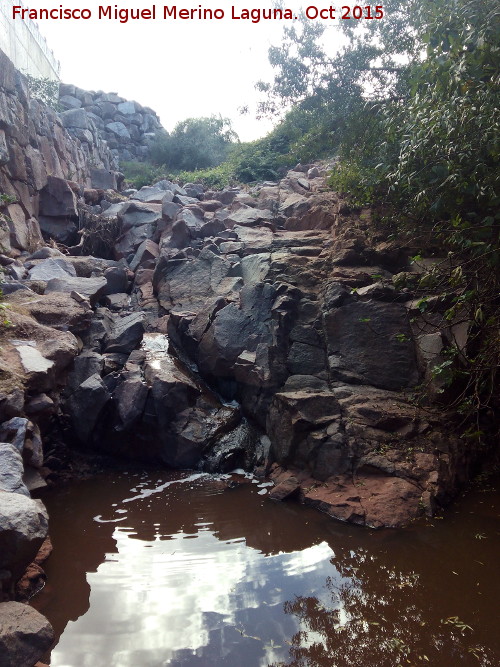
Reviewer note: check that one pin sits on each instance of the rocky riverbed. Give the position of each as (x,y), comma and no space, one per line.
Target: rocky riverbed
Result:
(270,328)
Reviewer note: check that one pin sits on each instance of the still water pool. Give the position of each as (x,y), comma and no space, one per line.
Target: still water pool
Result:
(153,569)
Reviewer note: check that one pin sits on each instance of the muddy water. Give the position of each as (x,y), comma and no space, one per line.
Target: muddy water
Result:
(162,569)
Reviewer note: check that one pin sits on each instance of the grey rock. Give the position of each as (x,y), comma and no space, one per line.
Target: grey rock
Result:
(247,216)
(91,288)
(119,129)
(33,361)
(116,280)
(103,179)
(23,528)
(25,635)
(169,210)
(57,199)
(127,108)
(85,406)
(11,470)
(50,268)
(370,342)
(125,333)
(138,214)
(75,118)
(14,431)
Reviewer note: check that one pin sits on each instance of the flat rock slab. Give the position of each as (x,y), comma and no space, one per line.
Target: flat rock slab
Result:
(50,268)
(25,635)
(91,288)
(33,360)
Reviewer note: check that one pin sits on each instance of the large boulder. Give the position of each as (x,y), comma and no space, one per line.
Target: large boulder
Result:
(23,528)
(50,268)
(91,288)
(11,470)
(25,635)
(370,342)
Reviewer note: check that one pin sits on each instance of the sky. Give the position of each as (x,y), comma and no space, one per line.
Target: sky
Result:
(181,68)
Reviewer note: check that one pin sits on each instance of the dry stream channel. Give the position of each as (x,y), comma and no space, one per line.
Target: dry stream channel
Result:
(156,568)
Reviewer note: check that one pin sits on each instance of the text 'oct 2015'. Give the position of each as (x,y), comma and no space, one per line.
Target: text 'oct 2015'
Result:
(200,13)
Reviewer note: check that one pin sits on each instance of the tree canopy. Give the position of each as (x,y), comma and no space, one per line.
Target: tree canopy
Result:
(194,143)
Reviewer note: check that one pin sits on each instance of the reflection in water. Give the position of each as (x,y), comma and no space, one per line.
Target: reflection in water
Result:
(152,570)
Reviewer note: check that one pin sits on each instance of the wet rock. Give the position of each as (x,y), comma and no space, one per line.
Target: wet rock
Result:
(286,489)
(371,500)
(23,528)
(236,449)
(25,635)
(11,470)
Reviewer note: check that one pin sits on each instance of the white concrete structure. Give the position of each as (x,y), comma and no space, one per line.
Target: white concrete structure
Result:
(23,43)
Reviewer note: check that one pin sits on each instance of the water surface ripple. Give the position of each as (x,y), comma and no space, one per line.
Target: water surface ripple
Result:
(153,569)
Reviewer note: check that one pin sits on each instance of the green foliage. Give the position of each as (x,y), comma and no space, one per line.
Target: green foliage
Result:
(195,143)
(139,174)
(215,178)
(5,199)
(412,104)
(45,90)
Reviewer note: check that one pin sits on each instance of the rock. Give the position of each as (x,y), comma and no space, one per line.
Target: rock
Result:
(52,268)
(130,398)
(25,635)
(370,343)
(247,216)
(146,252)
(119,129)
(116,280)
(186,284)
(23,528)
(59,311)
(189,418)
(76,118)
(62,230)
(33,361)
(153,195)
(125,333)
(285,489)
(14,431)
(91,288)
(85,406)
(103,179)
(138,214)
(11,470)
(45,253)
(57,199)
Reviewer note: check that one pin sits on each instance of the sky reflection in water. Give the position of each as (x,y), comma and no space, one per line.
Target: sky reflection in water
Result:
(150,571)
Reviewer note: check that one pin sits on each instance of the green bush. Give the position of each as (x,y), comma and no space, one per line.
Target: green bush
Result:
(139,174)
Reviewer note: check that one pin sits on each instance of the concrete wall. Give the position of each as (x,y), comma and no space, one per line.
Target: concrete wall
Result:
(23,43)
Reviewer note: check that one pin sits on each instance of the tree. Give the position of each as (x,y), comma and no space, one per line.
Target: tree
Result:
(414,101)
(195,143)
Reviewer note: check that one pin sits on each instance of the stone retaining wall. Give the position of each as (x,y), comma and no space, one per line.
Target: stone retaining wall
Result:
(35,144)
(126,126)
